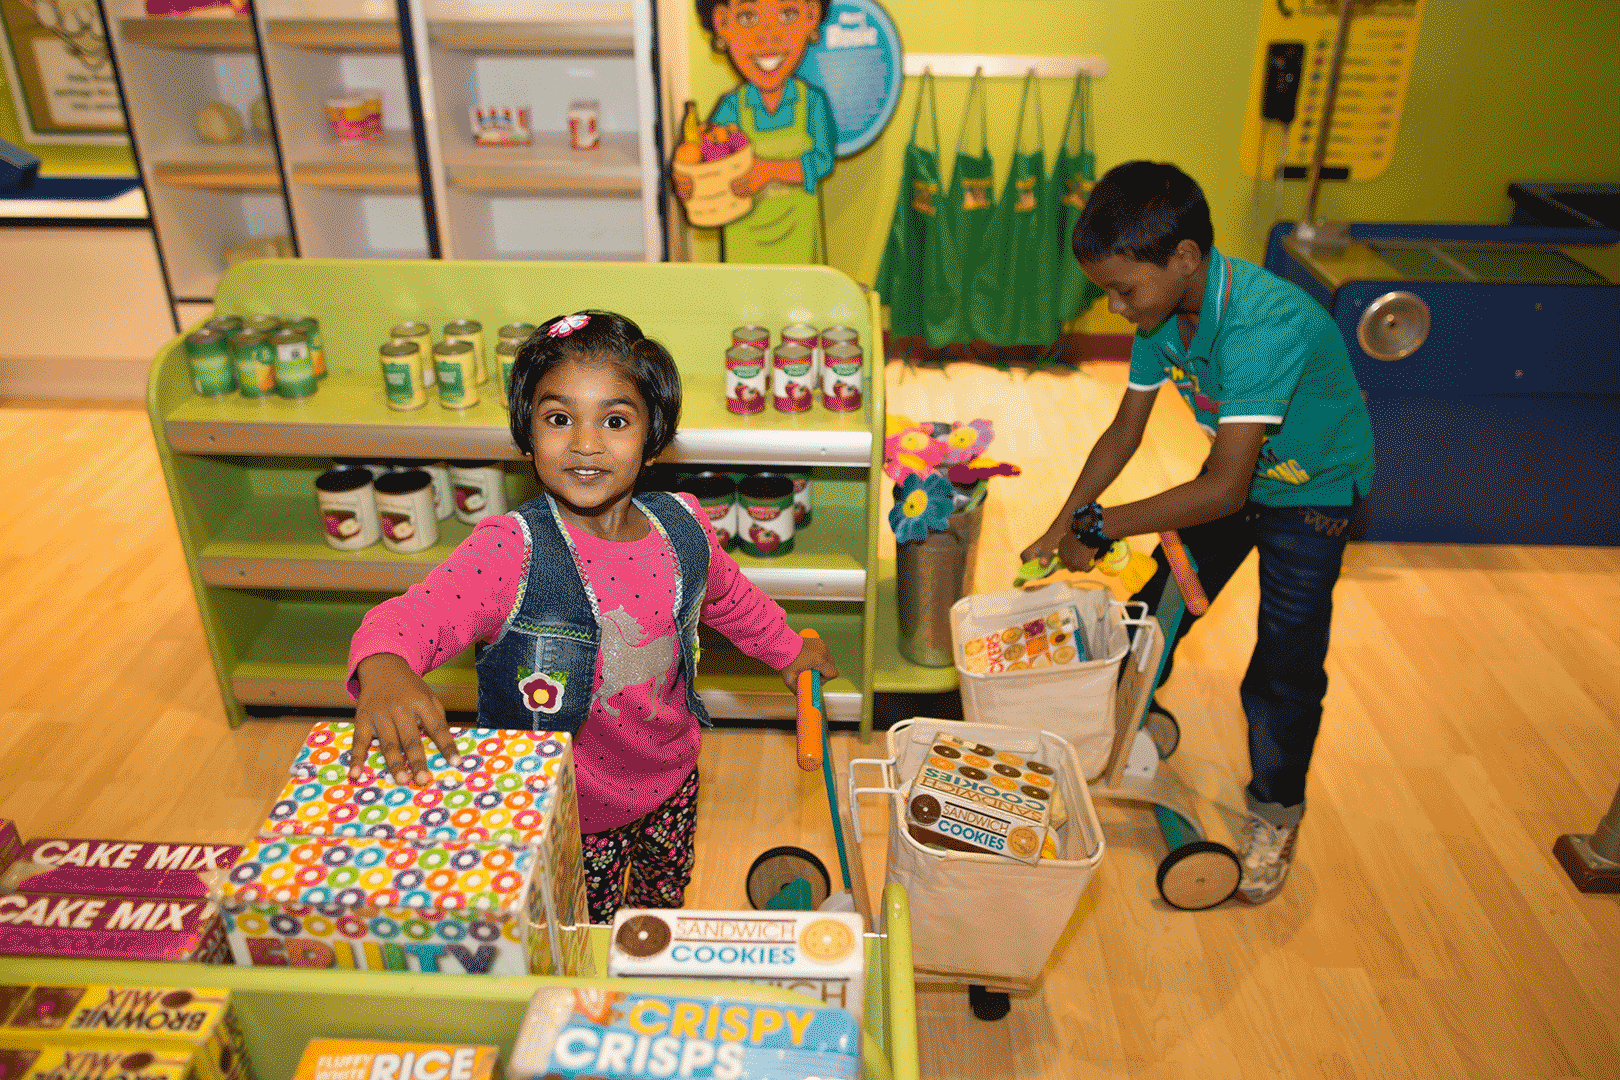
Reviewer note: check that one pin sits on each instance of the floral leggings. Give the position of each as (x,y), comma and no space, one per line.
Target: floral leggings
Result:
(658,851)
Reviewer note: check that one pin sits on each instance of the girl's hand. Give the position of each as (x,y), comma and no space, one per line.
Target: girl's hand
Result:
(396,708)
(812,654)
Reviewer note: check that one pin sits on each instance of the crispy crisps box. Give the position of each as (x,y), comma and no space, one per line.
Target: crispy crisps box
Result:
(198,1017)
(512,787)
(364,1059)
(121,868)
(112,928)
(820,954)
(972,797)
(100,1061)
(456,906)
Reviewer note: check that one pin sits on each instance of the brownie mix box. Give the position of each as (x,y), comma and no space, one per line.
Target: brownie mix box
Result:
(199,1018)
(122,867)
(972,797)
(510,787)
(111,927)
(100,1061)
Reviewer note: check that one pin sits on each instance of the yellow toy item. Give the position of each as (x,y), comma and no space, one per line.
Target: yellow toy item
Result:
(1133,568)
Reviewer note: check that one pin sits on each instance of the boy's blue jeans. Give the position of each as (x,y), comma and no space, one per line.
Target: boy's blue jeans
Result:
(1301,551)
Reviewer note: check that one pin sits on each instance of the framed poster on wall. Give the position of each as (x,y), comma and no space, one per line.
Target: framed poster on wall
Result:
(60,72)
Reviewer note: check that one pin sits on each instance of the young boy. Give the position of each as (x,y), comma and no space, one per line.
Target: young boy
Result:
(1265,371)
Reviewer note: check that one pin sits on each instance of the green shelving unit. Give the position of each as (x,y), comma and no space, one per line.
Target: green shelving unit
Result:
(279,606)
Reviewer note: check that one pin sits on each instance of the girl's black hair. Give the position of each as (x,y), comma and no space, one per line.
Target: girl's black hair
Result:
(612,339)
(1142,210)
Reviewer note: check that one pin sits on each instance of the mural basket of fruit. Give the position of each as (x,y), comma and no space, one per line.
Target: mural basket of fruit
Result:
(719,155)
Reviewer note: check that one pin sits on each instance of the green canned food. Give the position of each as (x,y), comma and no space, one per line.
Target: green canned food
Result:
(295,373)
(506,353)
(469,330)
(255,363)
(515,331)
(456,370)
(402,374)
(264,324)
(317,347)
(225,324)
(210,362)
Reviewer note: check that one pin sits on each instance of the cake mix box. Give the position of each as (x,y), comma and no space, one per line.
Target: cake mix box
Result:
(456,906)
(1054,639)
(200,1018)
(367,1059)
(112,927)
(821,954)
(121,868)
(972,797)
(511,787)
(133,1060)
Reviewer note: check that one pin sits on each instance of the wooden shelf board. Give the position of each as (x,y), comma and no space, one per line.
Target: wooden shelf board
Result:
(221,176)
(387,163)
(552,39)
(215,35)
(549,166)
(340,35)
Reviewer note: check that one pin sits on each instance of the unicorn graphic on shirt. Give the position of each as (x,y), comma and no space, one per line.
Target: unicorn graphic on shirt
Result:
(629,658)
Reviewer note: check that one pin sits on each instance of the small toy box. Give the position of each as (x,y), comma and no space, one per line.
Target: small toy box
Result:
(122,868)
(111,927)
(973,797)
(819,954)
(199,1018)
(365,1059)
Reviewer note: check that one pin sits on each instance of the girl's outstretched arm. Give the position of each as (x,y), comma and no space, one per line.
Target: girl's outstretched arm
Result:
(396,708)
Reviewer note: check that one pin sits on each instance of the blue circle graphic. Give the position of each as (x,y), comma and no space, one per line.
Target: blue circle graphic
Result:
(857,65)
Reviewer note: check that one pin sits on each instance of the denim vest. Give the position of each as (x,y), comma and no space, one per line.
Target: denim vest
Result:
(540,671)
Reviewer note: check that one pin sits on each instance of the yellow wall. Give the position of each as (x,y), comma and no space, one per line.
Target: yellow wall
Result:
(1501,90)
(59,159)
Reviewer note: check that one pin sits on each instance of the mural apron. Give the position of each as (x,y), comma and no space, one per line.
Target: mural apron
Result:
(785,224)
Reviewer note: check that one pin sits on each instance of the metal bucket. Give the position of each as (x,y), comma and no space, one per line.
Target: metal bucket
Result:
(931,575)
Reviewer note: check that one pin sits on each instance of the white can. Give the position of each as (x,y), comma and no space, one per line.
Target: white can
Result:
(444,502)
(793,378)
(405,508)
(479,488)
(584,117)
(348,508)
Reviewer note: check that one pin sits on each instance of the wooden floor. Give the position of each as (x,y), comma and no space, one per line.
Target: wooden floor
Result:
(1426,930)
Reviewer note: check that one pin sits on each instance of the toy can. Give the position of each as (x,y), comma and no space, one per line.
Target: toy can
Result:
(584,117)
(457,374)
(745,379)
(295,375)
(757,336)
(255,363)
(801,498)
(264,324)
(423,336)
(405,511)
(716,493)
(444,500)
(506,355)
(765,515)
(225,324)
(210,362)
(808,336)
(402,374)
(311,328)
(793,378)
(515,331)
(348,508)
(355,114)
(479,488)
(841,378)
(468,330)
(839,335)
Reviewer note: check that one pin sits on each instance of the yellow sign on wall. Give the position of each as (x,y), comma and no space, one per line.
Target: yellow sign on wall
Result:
(1372,86)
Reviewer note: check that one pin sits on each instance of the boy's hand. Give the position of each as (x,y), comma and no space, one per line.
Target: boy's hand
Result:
(396,708)
(812,654)
(1046,548)
(1075,555)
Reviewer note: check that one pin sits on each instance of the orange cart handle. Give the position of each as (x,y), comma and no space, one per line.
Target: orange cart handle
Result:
(810,718)
(1192,590)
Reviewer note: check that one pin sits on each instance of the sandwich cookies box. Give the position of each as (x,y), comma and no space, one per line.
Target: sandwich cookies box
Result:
(608,1033)
(817,953)
(198,1019)
(511,787)
(361,1059)
(972,797)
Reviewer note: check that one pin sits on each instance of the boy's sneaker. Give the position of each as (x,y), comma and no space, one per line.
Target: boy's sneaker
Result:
(1266,854)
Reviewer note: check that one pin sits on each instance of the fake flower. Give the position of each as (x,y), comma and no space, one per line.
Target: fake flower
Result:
(913,451)
(981,468)
(922,506)
(967,441)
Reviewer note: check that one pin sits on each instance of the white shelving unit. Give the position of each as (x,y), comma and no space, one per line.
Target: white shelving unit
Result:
(203,197)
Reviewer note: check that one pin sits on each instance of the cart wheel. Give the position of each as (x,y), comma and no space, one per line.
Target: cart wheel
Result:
(1162,729)
(1199,875)
(988,1004)
(782,865)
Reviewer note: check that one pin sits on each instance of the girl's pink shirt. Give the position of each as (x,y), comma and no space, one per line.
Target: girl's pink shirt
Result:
(639,743)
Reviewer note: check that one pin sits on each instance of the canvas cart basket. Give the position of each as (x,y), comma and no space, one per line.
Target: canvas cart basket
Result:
(984,919)
(1074,700)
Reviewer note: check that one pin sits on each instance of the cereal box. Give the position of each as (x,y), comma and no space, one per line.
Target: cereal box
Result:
(364,1059)
(511,787)
(1051,640)
(133,1060)
(197,1017)
(819,954)
(971,797)
(454,906)
(111,928)
(123,868)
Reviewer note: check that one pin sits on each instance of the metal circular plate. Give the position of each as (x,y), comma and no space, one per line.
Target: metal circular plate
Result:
(1394,326)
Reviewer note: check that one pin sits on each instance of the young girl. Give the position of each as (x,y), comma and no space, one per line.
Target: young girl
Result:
(590,597)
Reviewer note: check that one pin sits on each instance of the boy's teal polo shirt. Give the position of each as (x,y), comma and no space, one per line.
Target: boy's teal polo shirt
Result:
(1266,353)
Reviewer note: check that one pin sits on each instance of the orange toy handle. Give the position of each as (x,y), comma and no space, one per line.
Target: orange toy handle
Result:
(1192,591)
(810,718)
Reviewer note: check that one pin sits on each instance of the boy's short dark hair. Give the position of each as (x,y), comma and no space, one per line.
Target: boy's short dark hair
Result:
(609,338)
(1142,210)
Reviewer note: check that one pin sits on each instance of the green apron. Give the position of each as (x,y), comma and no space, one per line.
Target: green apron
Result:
(785,224)
(964,215)
(1074,171)
(916,217)
(1012,298)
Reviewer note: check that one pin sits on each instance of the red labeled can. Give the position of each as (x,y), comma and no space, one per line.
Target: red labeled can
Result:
(745,379)
(793,378)
(841,378)
(757,336)
(808,336)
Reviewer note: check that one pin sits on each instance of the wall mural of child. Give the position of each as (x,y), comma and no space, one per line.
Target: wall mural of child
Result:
(787,121)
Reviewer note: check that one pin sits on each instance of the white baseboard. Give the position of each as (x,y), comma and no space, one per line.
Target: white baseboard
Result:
(106,379)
